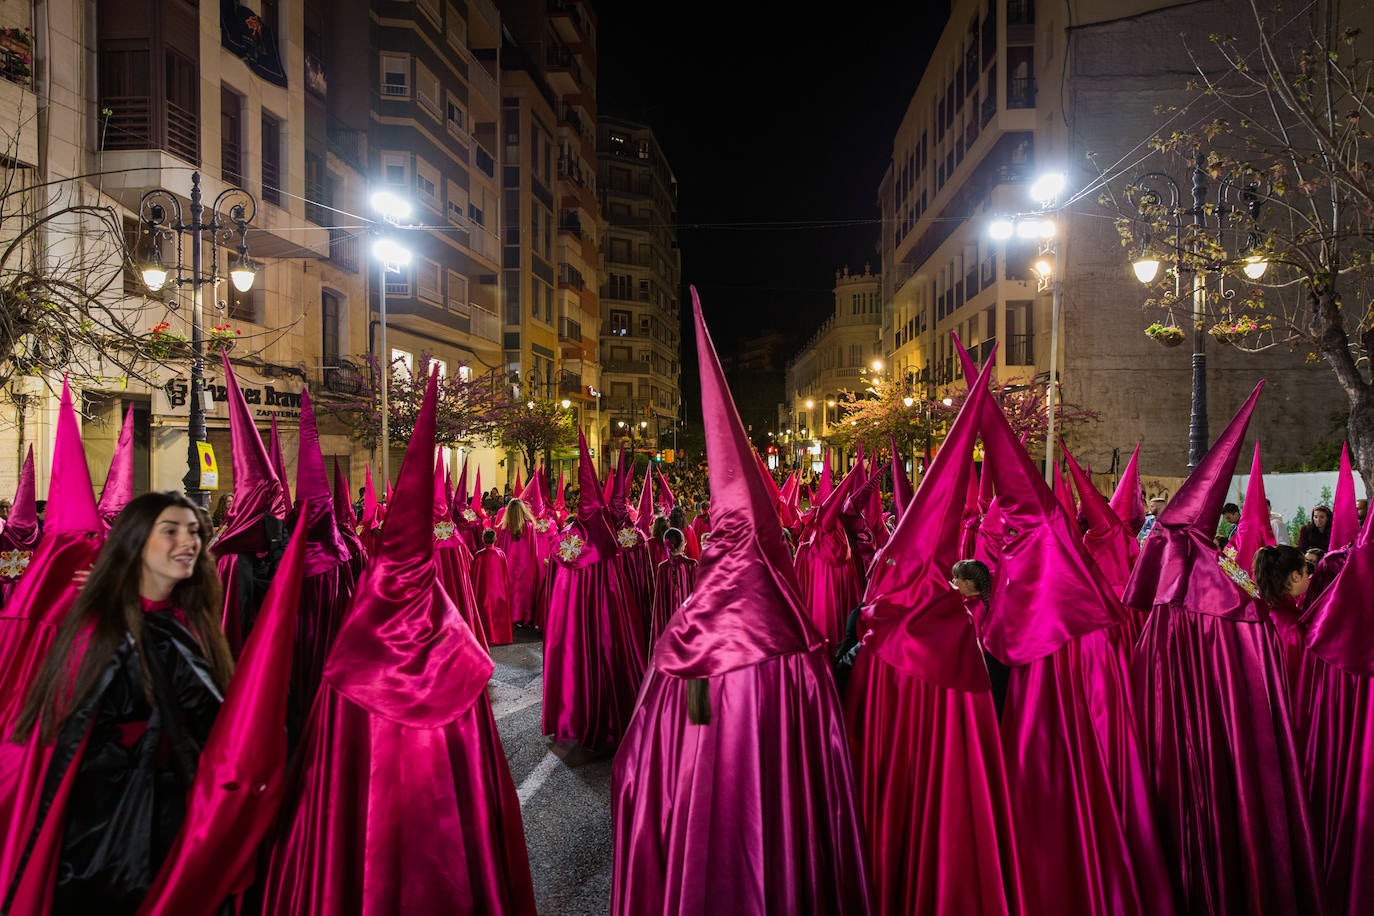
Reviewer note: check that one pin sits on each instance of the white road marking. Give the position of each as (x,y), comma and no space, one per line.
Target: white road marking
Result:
(538,776)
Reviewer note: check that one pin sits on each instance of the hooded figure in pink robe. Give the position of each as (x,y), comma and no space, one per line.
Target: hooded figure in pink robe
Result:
(71,543)
(1214,711)
(119,482)
(20,536)
(251,540)
(402,801)
(594,638)
(1111,546)
(327,589)
(492,584)
(674,580)
(347,522)
(1345,527)
(452,559)
(1085,831)
(370,525)
(921,718)
(636,564)
(1338,750)
(827,571)
(733,790)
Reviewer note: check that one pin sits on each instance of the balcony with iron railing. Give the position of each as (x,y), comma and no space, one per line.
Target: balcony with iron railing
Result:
(344,378)
(569,330)
(1020,350)
(1021,92)
(344,248)
(483,85)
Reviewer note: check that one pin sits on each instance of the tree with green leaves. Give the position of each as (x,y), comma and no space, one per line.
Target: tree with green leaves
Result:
(535,427)
(469,409)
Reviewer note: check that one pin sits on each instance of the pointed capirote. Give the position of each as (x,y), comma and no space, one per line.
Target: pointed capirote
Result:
(620,488)
(1126,501)
(645,521)
(442,506)
(372,510)
(119,482)
(448,488)
(22,525)
(664,493)
(560,505)
(257,491)
(313,492)
(1254,530)
(827,481)
(343,500)
(475,504)
(589,499)
(1046,589)
(908,600)
(241,775)
(1345,518)
(1062,492)
(533,495)
(460,491)
(71,500)
(965,361)
(612,474)
(1179,558)
(279,462)
(746,606)
(518,487)
(901,485)
(1097,512)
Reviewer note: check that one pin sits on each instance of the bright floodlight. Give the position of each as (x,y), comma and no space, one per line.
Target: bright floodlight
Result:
(391,206)
(1048,186)
(877,365)
(1043,268)
(1146,269)
(1255,266)
(908,400)
(948,402)
(391,252)
(566,403)
(1035,229)
(810,403)
(1001,229)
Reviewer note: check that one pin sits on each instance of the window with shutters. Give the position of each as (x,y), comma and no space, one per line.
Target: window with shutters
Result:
(272,177)
(231,135)
(396,76)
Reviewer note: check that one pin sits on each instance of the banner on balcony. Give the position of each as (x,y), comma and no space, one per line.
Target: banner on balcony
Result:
(248,35)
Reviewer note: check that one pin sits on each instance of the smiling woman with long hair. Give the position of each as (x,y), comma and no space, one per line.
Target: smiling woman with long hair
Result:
(137,672)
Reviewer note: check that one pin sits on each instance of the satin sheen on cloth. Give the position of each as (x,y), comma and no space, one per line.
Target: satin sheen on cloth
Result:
(491,582)
(1214,711)
(749,814)
(674,580)
(402,800)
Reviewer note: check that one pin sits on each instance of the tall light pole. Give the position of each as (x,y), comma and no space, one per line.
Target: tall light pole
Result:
(392,256)
(231,212)
(1146,193)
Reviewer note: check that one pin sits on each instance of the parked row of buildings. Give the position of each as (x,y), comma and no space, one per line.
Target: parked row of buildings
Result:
(1016,88)
(542,250)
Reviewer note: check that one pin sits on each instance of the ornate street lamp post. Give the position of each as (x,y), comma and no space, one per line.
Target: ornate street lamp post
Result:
(229,214)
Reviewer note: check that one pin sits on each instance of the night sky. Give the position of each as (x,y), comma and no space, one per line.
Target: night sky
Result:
(778,125)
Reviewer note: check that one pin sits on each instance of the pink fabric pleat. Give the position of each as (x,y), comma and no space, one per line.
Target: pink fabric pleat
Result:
(391,819)
(831,584)
(1216,726)
(524,571)
(491,583)
(453,562)
(749,814)
(594,652)
(673,582)
(933,793)
(1080,794)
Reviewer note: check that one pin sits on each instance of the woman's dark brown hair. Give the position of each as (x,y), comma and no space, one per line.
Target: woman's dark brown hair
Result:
(699,701)
(1273,566)
(109,607)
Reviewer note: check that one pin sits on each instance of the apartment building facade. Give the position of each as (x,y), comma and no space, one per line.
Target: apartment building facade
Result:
(1016,88)
(640,330)
(846,350)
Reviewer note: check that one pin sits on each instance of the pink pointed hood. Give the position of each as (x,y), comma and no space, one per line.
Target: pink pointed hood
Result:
(746,606)
(533,496)
(460,493)
(919,624)
(343,502)
(241,775)
(1046,590)
(71,499)
(257,491)
(664,493)
(21,529)
(608,485)
(327,547)
(279,463)
(372,510)
(1178,563)
(827,484)
(901,486)
(119,482)
(645,522)
(1107,541)
(1345,519)
(619,504)
(404,651)
(1339,625)
(475,504)
(592,524)
(519,485)
(1254,529)
(442,510)
(1126,501)
(560,505)
(1063,493)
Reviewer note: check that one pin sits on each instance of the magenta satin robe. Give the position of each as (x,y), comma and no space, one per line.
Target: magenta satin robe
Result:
(673,582)
(453,561)
(830,580)
(491,582)
(524,572)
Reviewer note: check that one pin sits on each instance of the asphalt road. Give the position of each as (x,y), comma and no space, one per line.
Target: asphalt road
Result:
(565,796)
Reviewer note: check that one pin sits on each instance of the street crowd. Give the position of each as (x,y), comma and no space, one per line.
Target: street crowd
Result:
(987,694)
